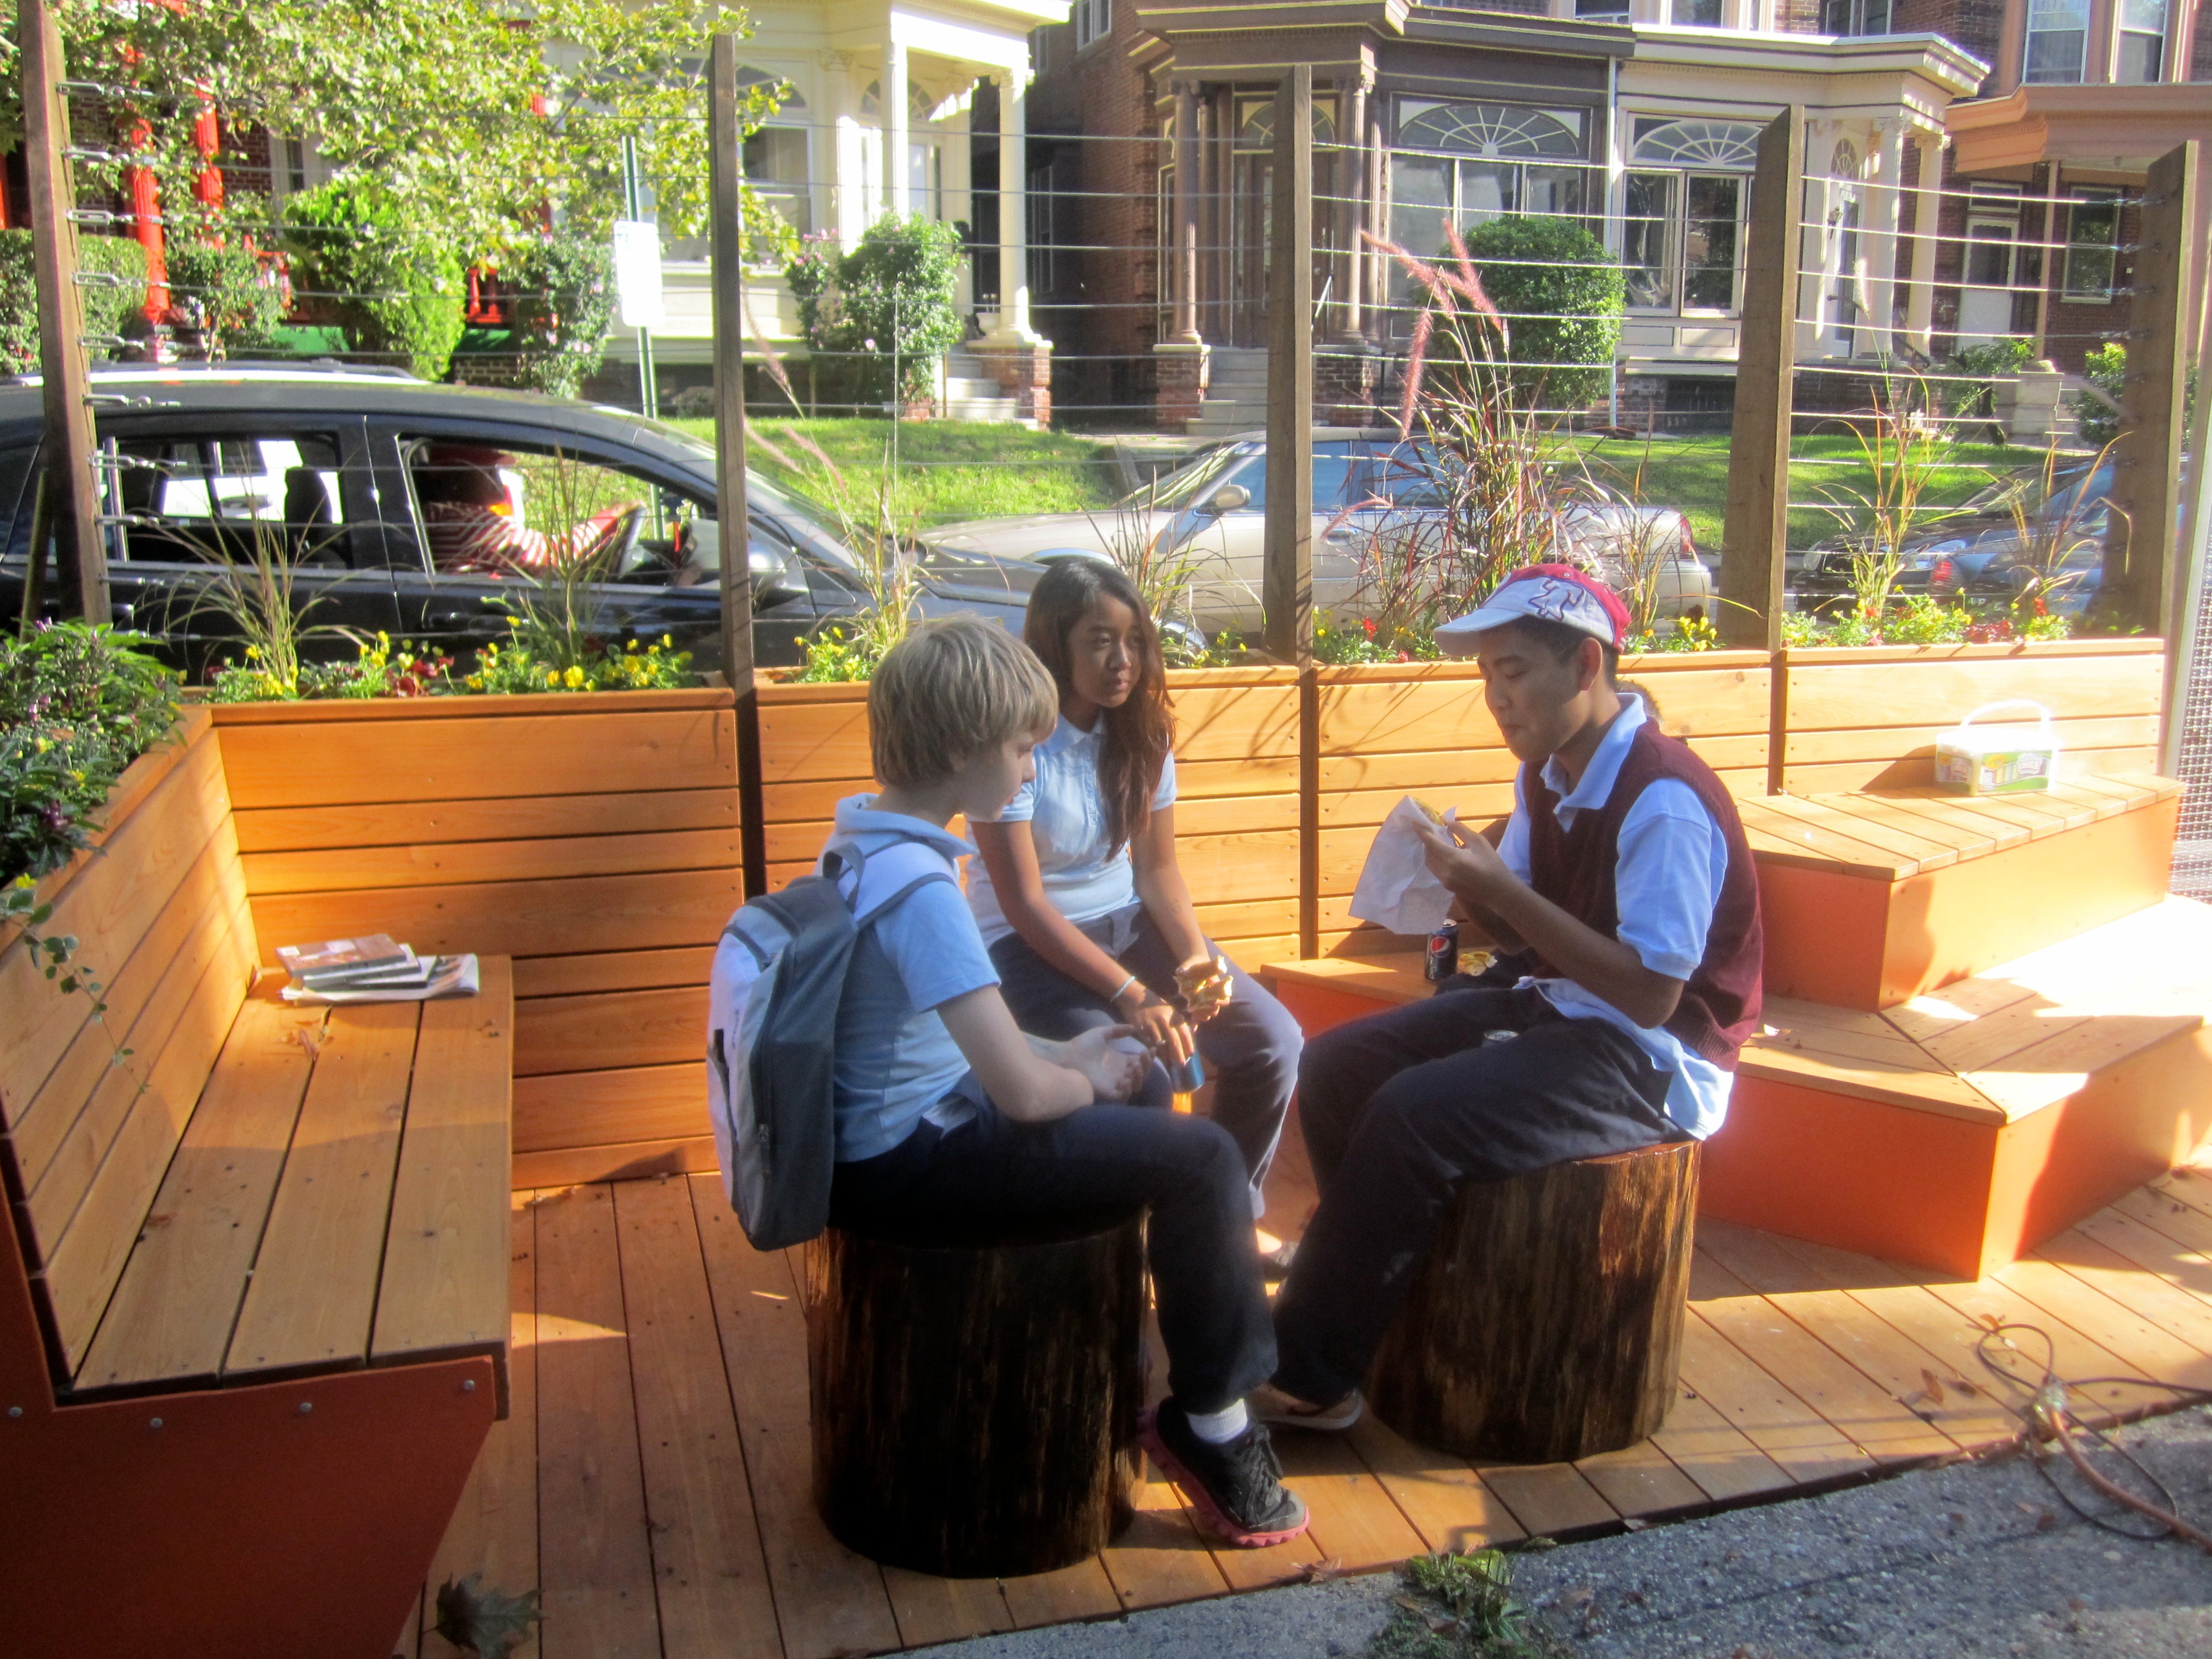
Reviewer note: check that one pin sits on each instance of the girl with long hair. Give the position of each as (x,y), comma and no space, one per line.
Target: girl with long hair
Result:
(1079,896)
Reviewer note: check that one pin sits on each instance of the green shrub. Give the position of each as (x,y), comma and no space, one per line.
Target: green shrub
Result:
(78,703)
(564,306)
(104,305)
(890,298)
(362,259)
(1563,306)
(228,288)
(2105,367)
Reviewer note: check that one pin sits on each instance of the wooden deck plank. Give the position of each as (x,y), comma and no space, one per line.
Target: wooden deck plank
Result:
(1161,1559)
(171,1318)
(1859,1409)
(445,1288)
(1796,839)
(2035,813)
(314,1293)
(1354,1522)
(2182,1250)
(1547,1498)
(1640,1479)
(1845,815)
(1714,1453)
(710,1579)
(1968,840)
(1801,1442)
(494,1530)
(1936,1091)
(595,1557)
(1446,1501)
(1082,1591)
(2176,1345)
(2190,1184)
(829,1600)
(1956,811)
(1887,1357)
(933,1610)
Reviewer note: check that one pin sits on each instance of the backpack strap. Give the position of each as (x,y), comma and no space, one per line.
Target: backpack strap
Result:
(916,859)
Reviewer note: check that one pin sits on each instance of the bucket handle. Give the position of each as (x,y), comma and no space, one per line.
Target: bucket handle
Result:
(2010,703)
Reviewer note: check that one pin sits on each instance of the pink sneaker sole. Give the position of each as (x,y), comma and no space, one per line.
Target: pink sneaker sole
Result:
(1216,1519)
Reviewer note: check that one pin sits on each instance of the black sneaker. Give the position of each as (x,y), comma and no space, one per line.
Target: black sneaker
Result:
(1237,1487)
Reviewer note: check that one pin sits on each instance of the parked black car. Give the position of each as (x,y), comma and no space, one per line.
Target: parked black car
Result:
(406,502)
(1976,549)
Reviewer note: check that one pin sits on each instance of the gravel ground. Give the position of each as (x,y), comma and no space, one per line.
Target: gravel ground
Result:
(1958,1563)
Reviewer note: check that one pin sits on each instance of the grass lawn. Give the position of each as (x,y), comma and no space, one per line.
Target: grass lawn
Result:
(1691,473)
(952,470)
(945,470)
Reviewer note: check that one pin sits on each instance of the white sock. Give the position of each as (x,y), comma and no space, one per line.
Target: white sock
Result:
(1219,1428)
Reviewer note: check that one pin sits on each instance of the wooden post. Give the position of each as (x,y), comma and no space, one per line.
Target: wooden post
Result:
(1286,581)
(2142,587)
(71,496)
(725,139)
(2187,661)
(1755,531)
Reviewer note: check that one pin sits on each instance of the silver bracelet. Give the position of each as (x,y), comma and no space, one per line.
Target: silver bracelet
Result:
(1122,987)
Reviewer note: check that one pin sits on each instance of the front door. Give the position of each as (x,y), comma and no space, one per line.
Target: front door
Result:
(1986,298)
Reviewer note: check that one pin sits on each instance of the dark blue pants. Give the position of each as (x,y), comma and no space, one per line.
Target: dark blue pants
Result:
(1250,1048)
(1399,1109)
(1206,1269)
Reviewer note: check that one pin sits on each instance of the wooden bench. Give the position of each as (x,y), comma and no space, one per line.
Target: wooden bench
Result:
(254,1292)
(1871,898)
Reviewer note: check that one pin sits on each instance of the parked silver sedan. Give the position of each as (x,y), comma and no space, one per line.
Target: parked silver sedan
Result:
(1211,513)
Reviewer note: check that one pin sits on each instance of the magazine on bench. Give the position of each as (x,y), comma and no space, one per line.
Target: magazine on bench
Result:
(333,956)
(442,976)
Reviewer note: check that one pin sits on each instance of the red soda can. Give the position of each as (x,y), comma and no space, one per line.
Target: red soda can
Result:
(1442,961)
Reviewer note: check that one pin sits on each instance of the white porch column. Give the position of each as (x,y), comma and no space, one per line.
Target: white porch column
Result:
(1816,249)
(846,185)
(891,100)
(1920,298)
(1884,199)
(1013,323)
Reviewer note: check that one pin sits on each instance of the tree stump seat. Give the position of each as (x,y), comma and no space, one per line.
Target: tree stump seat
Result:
(975,1393)
(1547,1323)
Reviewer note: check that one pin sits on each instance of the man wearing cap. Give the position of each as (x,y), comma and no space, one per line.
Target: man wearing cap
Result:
(1624,876)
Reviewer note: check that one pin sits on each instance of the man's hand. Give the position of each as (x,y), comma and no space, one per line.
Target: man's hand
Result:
(1466,864)
(1113,1073)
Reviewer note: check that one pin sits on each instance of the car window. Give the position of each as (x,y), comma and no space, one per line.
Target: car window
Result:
(15,499)
(198,499)
(1178,490)
(496,509)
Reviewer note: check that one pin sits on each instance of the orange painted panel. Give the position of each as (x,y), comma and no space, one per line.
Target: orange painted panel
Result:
(1855,942)
(1319,1008)
(2133,1122)
(1906,1186)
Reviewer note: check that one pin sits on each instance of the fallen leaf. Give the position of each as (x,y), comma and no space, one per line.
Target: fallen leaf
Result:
(1319,1572)
(1991,1321)
(486,1622)
(1633,1524)
(1934,1384)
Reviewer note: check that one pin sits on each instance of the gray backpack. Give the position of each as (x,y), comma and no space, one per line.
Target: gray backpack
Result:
(772,1002)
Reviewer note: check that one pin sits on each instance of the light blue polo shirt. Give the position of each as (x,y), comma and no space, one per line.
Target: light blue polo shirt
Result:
(1673,860)
(1065,811)
(896,1064)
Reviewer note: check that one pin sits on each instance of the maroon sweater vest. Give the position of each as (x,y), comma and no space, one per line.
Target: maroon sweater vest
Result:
(1574,869)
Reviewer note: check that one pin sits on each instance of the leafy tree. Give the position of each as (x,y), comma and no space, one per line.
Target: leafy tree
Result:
(474,115)
(217,278)
(2105,367)
(891,298)
(1562,295)
(104,306)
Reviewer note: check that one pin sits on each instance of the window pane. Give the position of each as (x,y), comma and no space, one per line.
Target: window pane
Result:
(1420,206)
(775,167)
(1644,238)
(2143,58)
(1487,189)
(2057,34)
(1557,191)
(490,509)
(1988,256)
(1709,243)
(1699,14)
(2093,239)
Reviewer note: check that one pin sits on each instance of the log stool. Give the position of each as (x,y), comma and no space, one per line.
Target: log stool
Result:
(974,1397)
(1547,1323)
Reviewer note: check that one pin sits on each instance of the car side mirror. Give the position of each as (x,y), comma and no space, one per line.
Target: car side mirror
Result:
(1230,498)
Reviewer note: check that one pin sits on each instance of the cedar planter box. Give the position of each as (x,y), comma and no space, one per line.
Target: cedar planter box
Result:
(1236,813)
(593,837)
(1868,718)
(1422,728)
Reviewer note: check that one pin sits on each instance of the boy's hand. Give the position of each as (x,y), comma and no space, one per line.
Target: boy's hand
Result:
(1113,1073)
(1466,864)
(1160,1029)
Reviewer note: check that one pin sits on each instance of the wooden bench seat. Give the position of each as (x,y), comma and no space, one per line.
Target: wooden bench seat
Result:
(253,1289)
(1872,898)
(1956,1130)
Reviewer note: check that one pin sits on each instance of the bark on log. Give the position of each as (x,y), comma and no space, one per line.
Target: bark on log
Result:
(975,1401)
(1547,1323)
